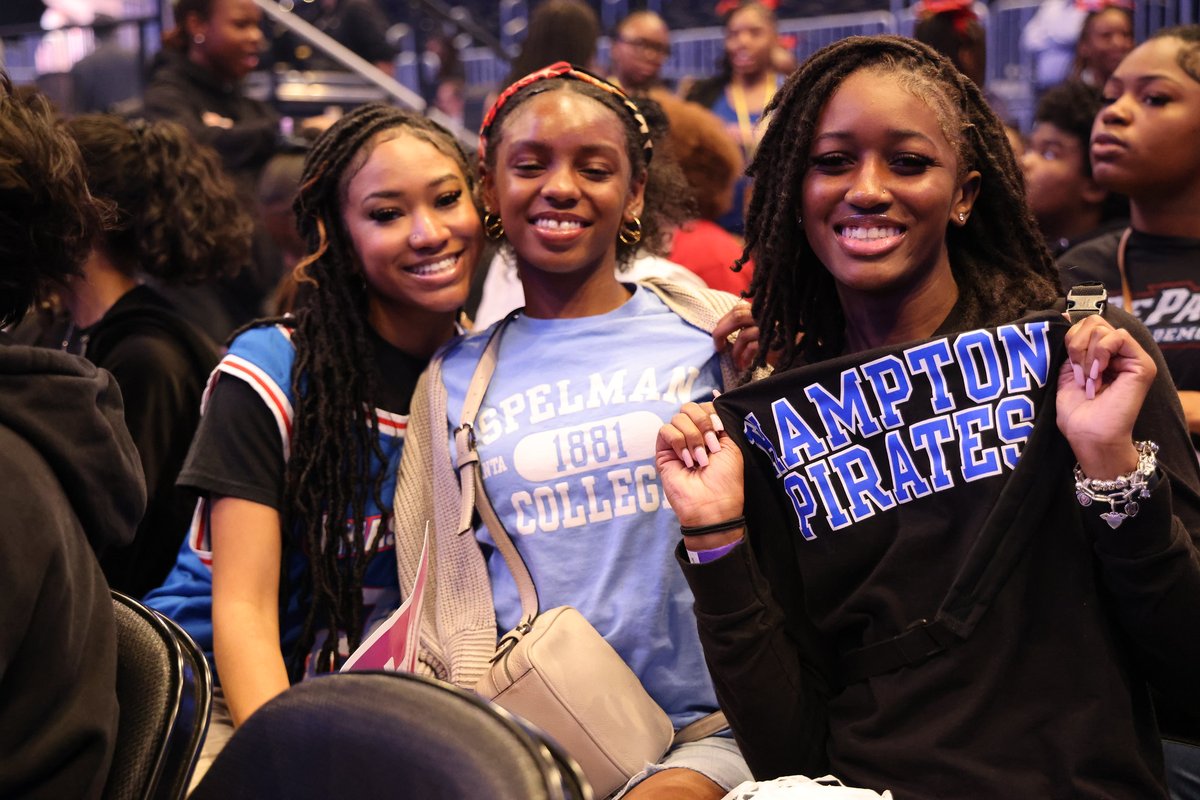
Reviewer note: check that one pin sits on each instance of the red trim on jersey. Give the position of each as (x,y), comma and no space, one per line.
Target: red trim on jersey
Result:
(281,404)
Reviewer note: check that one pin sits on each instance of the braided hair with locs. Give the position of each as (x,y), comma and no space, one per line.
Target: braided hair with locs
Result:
(998,258)
(335,434)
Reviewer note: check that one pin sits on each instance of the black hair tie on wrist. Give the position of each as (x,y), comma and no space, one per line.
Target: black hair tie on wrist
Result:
(716,527)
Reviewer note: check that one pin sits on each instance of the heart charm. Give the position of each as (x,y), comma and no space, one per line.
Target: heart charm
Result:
(1113,518)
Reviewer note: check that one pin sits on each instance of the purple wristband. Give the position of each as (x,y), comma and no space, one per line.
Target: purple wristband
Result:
(705,556)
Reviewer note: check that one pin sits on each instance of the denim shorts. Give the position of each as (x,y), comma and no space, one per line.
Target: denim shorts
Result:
(715,757)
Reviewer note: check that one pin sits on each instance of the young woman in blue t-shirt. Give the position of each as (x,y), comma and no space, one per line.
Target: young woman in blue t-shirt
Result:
(584,375)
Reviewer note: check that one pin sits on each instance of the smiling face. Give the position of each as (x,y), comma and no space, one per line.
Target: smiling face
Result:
(1144,139)
(563,184)
(415,230)
(882,185)
(749,37)
(1107,39)
(231,39)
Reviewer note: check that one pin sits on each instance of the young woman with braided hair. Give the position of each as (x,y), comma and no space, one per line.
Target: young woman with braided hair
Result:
(584,374)
(289,562)
(898,576)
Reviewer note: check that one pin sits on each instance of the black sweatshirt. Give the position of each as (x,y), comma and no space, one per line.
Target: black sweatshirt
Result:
(70,483)
(1048,695)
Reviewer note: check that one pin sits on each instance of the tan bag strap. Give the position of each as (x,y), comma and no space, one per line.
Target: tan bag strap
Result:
(470,476)
(1126,292)
(701,729)
(475,496)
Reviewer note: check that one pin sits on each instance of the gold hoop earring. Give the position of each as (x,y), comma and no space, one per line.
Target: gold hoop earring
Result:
(631,232)
(493,226)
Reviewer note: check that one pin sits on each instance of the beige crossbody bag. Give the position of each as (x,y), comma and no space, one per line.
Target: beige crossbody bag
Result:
(554,669)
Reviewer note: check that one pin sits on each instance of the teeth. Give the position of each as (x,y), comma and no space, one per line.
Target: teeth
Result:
(558,225)
(435,267)
(869,233)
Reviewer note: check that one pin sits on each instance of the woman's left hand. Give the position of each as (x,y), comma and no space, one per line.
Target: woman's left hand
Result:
(1101,389)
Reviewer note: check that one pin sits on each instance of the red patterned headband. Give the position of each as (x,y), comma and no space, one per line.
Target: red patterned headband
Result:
(564,70)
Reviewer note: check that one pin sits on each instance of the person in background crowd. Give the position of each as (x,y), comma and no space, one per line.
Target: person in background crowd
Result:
(559,30)
(197,81)
(1069,205)
(1050,37)
(1152,109)
(1105,38)
(178,220)
(892,584)
(70,483)
(953,29)
(740,92)
(289,564)
(711,163)
(571,185)
(641,44)
(108,76)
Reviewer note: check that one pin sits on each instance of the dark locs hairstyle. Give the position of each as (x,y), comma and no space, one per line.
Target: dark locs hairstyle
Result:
(177,214)
(667,197)
(48,218)
(1189,53)
(998,258)
(335,436)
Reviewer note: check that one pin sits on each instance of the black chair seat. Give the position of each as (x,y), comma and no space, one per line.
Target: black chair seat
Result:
(387,735)
(164,688)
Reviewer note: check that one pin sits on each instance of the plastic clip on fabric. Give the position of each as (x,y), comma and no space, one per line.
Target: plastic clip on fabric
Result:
(1086,299)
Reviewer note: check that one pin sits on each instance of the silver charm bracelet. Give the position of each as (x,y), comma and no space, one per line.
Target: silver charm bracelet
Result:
(1123,490)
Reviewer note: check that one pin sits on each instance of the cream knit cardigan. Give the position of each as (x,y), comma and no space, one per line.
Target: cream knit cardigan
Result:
(458,624)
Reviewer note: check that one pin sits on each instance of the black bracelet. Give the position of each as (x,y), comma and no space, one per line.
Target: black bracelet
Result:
(716,527)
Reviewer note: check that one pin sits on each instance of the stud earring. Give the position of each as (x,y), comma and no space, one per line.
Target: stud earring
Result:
(198,38)
(493,226)
(631,231)
(962,218)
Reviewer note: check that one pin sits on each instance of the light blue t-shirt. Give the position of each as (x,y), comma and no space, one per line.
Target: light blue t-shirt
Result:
(566,438)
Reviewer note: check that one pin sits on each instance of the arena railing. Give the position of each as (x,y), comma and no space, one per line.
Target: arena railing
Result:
(697,51)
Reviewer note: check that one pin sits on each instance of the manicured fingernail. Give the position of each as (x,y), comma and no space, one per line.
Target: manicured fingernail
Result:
(710,439)
(687,458)
(1090,389)
(701,457)
(1095,373)
(1078,370)
(716,423)
(716,393)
